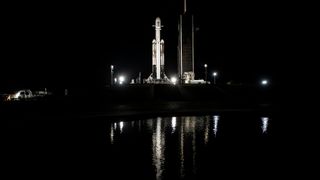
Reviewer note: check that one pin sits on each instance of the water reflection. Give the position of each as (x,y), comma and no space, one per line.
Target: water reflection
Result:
(181,138)
(173,123)
(215,124)
(121,126)
(194,145)
(111,134)
(265,123)
(139,126)
(206,130)
(188,132)
(158,149)
(181,150)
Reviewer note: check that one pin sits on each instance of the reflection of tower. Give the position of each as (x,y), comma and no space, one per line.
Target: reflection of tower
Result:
(182,170)
(206,130)
(158,75)
(188,145)
(186,44)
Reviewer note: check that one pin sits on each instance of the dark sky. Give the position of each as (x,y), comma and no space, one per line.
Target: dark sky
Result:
(58,45)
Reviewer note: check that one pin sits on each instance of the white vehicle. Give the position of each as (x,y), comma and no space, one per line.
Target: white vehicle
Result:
(20,95)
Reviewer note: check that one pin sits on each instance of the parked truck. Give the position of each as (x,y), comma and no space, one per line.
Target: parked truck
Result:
(26,94)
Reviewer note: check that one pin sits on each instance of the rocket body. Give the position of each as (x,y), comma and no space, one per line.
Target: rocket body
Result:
(157,52)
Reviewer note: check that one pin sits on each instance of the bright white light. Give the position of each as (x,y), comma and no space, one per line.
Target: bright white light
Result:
(264,82)
(121,78)
(205,65)
(115,79)
(174,80)
(215,73)
(111,66)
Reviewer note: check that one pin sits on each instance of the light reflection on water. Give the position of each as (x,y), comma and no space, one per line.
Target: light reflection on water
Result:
(121,126)
(265,123)
(173,123)
(215,125)
(189,135)
(206,131)
(158,148)
(111,134)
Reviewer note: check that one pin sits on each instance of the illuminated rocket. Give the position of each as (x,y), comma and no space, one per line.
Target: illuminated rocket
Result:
(158,53)
(158,75)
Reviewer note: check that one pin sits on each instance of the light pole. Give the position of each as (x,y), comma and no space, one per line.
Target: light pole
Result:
(205,72)
(215,74)
(111,75)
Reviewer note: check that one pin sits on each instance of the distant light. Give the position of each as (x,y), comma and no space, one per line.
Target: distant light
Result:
(215,73)
(111,67)
(174,80)
(115,79)
(121,79)
(264,82)
(205,65)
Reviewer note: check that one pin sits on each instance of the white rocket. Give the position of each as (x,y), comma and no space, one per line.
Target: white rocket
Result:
(158,53)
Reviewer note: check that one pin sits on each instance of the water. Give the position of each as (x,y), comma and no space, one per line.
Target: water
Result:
(177,147)
(189,146)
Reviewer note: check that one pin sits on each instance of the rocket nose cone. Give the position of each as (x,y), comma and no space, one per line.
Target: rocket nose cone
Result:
(158,21)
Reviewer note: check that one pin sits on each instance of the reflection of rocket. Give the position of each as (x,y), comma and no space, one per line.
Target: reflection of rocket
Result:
(158,53)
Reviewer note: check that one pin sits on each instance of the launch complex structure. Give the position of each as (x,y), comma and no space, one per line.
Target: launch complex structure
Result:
(185,50)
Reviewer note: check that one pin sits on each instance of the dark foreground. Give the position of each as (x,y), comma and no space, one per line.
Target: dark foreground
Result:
(147,148)
(219,137)
(222,144)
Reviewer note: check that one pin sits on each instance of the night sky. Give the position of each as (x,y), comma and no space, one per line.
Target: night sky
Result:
(73,45)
